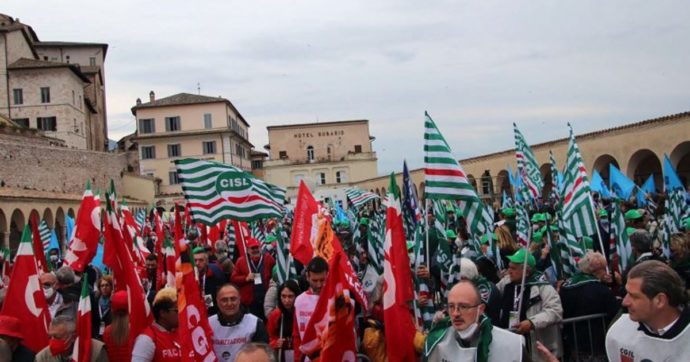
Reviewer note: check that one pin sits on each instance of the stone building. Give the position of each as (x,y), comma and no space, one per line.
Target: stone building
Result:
(637,149)
(57,87)
(326,155)
(187,126)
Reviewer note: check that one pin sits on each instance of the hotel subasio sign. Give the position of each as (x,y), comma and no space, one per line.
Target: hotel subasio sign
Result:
(319,134)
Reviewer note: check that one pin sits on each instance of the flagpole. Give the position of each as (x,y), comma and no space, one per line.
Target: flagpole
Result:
(426,221)
(244,246)
(280,349)
(524,270)
(601,242)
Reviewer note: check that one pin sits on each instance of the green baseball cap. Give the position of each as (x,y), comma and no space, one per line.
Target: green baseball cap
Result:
(519,258)
(364,221)
(603,213)
(538,218)
(629,230)
(270,238)
(538,237)
(633,214)
(450,234)
(485,239)
(508,212)
(589,243)
(686,222)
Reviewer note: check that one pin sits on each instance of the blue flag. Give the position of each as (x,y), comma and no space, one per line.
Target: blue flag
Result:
(620,184)
(507,201)
(69,227)
(598,185)
(98,259)
(54,242)
(340,215)
(671,180)
(647,187)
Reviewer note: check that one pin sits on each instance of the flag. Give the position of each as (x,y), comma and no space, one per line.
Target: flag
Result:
(41,260)
(556,180)
(81,351)
(215,191)
(375,236)
(284,262)
(331,328)
(578,208)
(619,238)
(522,225)
(305,225)
(621,186)
(675,192)
(69,227)
(397,285)
(231,241)
(5,259)
(359,197)
(119,260)
(44,231)
(410,204)
(25,299)
(83,243)
(194,330)
(647,188)
(506,201)
(527,166)
(569,248)
(598,185)
(446,180)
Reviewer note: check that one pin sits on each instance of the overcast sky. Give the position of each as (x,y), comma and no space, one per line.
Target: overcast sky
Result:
(476,66)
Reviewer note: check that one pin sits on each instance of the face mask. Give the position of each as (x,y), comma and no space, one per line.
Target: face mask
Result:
(53,258)
(77,279)
(57,346)
(469,332)
(458,243)
(411,256)
(48,292)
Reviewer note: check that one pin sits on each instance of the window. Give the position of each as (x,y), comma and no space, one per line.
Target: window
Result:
(209,147)
(282,154)
(92,61)
(67,59)
(173,178)
(174,150)
(208,121)
(24,122)
(148,152)
(45,94)
(358,148)
(73,97)
(80,102)
(340,177)
(239,150)
(322,178)
(329,151)
(257,165)
(310,153)
(18,95)
(47,123)
(172,124)
(298,178)
(147,125)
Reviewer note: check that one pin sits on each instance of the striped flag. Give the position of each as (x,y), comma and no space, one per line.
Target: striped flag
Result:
(81,351)
(555,194)
(522,224)
(359,197)
(44,231)
(284,262)
(527,165)
(676,194)
(410,204)
(569,248)
(215,191)
(231,240)
(375,237)
(140,219)
(578,207)
(445,179)
(619,238)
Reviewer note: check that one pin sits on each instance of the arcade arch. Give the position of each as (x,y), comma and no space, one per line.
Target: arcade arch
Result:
(643,163)
(680,159)
(602,165)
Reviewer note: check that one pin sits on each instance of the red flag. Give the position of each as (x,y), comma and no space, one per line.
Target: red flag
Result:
(213,236)
(38,244)
(305,224)
(25,299)
(124,272)
(194,331)
(82,344)
(162,252)
(397,288)
(87,229)
(331,328)
(203,234)
(241,236)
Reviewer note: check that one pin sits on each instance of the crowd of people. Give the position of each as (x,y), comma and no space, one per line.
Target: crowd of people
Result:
(511,303)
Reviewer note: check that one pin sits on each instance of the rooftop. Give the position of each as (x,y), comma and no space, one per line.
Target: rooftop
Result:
(318,124)
(71,44)
(26,63)
(185,99)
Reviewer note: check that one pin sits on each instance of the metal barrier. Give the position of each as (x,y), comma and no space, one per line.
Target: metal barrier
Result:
(574,348)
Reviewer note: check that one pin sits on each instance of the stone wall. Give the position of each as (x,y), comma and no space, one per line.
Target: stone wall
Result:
(57,169)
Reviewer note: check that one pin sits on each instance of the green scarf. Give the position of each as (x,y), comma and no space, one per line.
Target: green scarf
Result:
(578,279)
(537,278)
(439,330)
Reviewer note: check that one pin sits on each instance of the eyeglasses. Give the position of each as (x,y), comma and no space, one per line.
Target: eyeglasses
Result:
(461,307)
(106,285)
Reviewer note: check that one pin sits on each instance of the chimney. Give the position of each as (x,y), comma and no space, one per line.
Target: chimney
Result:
(152,96)
(138,101)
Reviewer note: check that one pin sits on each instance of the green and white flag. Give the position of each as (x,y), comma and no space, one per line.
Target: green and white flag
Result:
(569,248)
(284,261)
(444,178)
(217,191)
(44,231)
(620,238)
(359,197)
(578,206)
(527,166)
(375,238)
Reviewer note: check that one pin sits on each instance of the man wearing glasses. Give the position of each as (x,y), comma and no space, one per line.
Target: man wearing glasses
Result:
(467,334)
